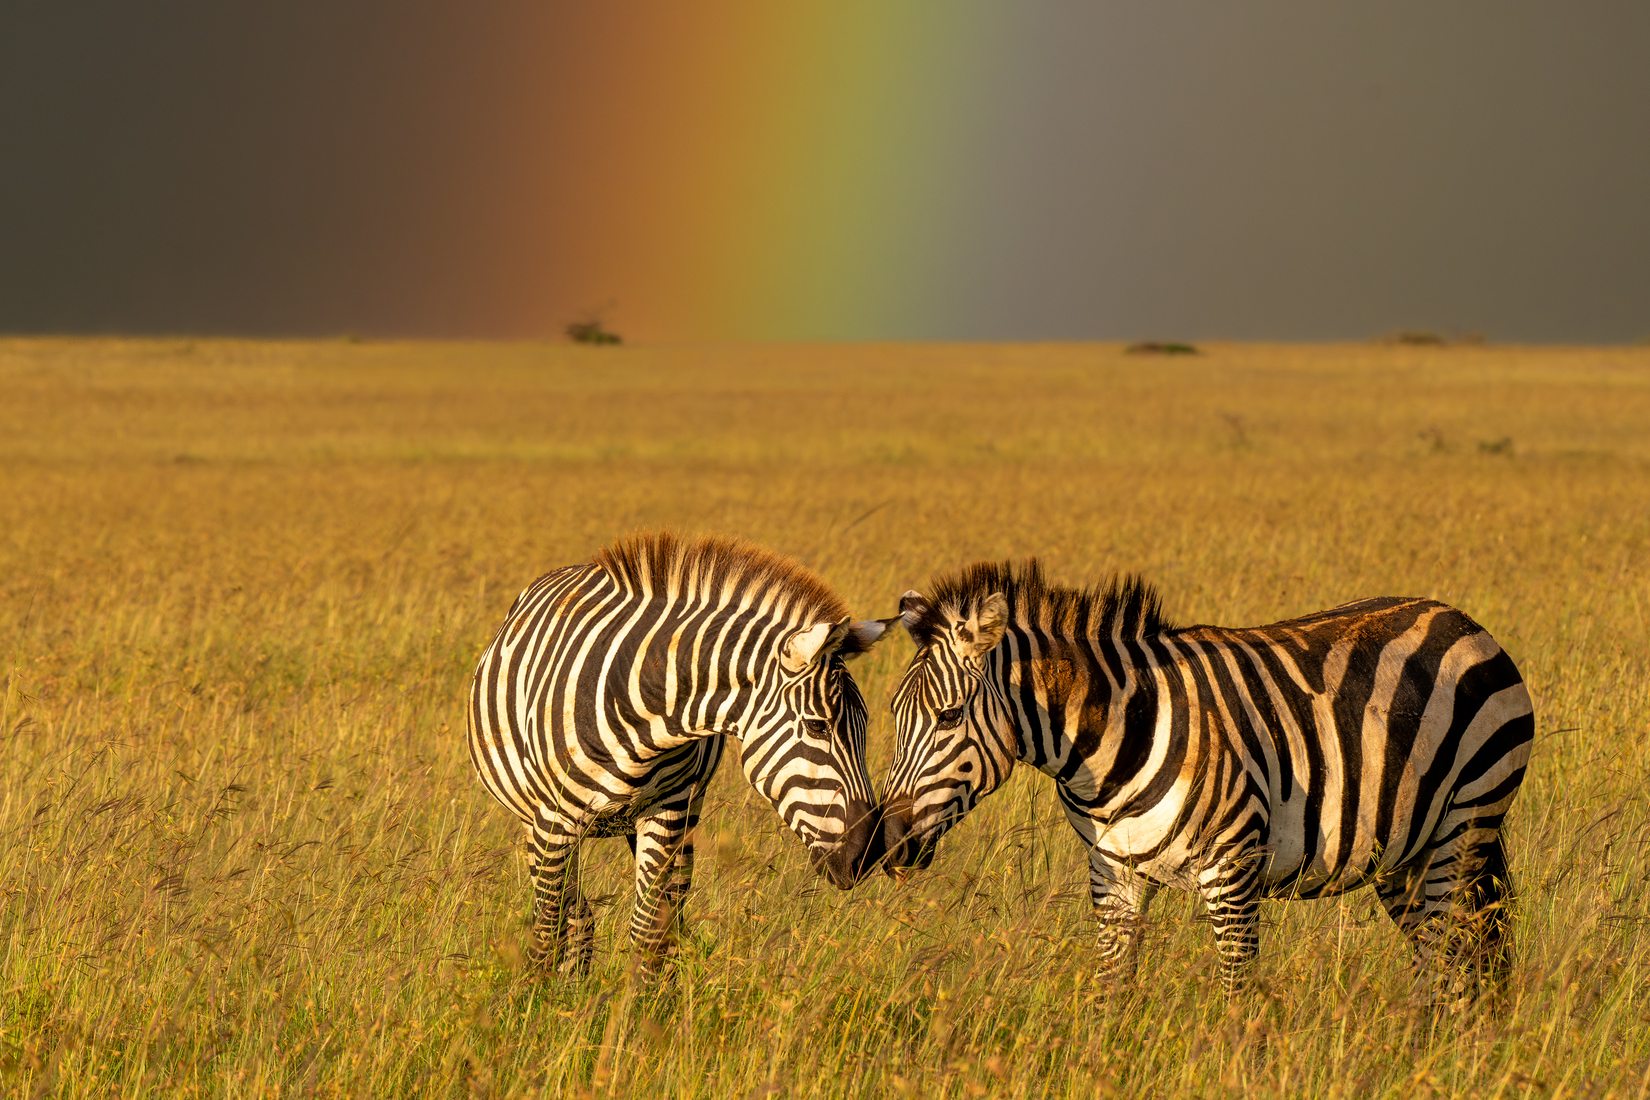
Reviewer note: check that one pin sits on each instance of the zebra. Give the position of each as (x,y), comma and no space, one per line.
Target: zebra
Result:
(603,704)
(1379,742)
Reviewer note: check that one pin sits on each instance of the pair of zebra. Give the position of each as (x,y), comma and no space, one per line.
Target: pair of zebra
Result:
(1376,743)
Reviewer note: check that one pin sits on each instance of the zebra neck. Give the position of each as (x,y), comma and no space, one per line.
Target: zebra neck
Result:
(719,705)
(703,682)
(1080,704)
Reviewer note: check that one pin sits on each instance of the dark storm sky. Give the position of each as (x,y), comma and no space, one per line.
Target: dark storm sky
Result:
(1258,170)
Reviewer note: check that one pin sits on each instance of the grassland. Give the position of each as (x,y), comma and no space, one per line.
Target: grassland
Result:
(242,585)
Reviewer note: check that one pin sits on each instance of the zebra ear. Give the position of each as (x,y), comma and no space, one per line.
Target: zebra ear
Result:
(985,628)
(912,605)
(862,636)
(802,646)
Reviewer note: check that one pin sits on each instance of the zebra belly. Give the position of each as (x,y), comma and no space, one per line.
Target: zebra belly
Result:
(1173,860)
(1281,881)
(1302,865)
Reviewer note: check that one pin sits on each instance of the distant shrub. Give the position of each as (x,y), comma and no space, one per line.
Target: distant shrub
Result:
(591,332)
(1502,446)
(1162,347)
(1417,339)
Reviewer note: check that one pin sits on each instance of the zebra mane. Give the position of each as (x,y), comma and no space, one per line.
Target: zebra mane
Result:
(1032,599)
(664,562)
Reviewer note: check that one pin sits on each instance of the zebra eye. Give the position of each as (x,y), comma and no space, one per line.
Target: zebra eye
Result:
(951,719)
(817,726)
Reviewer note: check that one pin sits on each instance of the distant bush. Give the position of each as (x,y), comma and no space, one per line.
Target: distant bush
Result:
(591,332)
(1421,338)
(1162,347)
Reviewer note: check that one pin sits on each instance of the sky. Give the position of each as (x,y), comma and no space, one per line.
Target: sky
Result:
(900,170)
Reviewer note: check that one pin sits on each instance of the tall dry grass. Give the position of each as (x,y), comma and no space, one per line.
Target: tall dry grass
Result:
(242,586)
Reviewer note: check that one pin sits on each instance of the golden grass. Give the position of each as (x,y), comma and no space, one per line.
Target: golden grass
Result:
(242,586)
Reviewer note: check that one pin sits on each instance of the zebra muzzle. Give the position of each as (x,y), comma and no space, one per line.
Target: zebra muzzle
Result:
(857,853)
(905,847)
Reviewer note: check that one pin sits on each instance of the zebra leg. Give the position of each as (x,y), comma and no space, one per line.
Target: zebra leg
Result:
(1419,904)
(663,848)
(1489,908)
(1120,897)
(1231,890)
(563,935)
(1452,904)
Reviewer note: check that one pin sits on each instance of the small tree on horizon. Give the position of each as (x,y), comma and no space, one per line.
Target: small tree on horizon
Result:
(590,330)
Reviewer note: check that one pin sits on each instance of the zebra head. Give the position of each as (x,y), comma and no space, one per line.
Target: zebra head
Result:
(808,758)
(954,740)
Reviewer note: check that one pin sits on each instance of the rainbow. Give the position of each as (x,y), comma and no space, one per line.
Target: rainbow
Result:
(748,171)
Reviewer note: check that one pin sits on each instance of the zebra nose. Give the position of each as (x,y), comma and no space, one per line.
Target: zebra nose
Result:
(859,850)
(874,853)
(897,853)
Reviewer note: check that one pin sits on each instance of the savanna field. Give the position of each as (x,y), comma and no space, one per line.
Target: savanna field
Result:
(242,587)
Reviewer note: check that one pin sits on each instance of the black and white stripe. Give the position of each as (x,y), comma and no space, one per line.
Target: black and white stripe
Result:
(1376,743)
(603,705)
